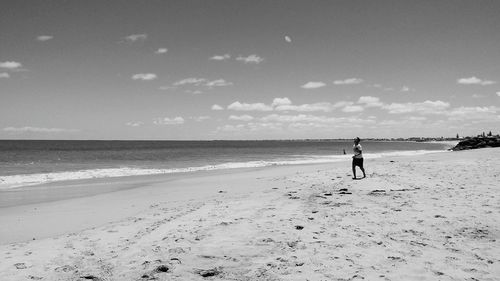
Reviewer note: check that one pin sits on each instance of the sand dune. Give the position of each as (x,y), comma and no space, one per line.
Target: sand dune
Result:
(430,217)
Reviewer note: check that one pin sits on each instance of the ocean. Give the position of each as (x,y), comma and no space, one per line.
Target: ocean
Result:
(32,162)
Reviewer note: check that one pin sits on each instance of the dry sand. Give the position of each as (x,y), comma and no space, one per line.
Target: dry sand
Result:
(430,217)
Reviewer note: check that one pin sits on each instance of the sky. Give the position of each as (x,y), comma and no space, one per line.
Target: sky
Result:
(204,70)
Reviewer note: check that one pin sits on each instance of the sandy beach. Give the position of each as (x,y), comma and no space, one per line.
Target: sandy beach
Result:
(427,217)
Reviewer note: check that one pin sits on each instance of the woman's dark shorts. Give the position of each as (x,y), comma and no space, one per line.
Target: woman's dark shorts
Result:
(357,162)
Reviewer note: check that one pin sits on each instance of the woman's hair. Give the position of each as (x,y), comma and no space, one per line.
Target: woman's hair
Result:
(357,139)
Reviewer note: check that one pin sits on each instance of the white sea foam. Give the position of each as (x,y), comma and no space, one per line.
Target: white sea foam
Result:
(14,181)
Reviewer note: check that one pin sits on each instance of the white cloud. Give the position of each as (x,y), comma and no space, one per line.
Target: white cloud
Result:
(161,51)
(231,128)
(417,118)
(4,75)
(194,92)
(134,124)
(288,39)
(218,83)
(285,104)
(352,108)
(44,38)
(169,121)
(406,89)
(221,57)
(475,81)
(217,107)
(281,101)
(164,88)
(426,107)
(237,106)
(144,76)
(245,118)
(200,118)
(369,101)
(250,59)
(136,37)
(313,85)
(295,118)
(498,94)
(10,64)
(203,82)
(37,130)
(321,106)
(310,120)
(348,81)
(191,80)
(474,112)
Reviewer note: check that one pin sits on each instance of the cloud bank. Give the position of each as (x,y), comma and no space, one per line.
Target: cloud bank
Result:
(168,121)
(251,59)
(44,38)
(313,85)
(348,81)
(144,76)
(475,81)
(10,65)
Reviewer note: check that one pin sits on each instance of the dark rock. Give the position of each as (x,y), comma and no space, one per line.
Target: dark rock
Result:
(299,227)
(478,142)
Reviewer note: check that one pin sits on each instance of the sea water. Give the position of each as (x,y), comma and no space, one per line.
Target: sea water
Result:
(32,162)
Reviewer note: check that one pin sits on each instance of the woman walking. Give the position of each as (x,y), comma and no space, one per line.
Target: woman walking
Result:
(357,159)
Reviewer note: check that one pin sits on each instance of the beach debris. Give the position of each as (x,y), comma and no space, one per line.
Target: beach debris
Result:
(396,258)
(328,194)
(20,265)
(176,259)
(344,191)
(222,191)
(91,277)
(35,277)
(314,212)
(64,268)
(474,233)
(161,268)
(299,227)
(209,272)
(376,192)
